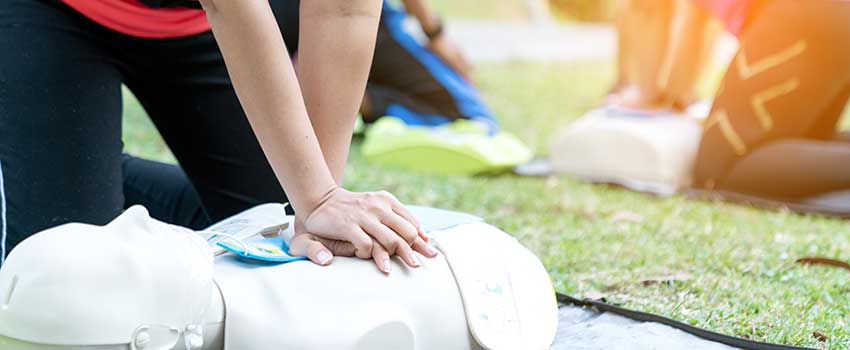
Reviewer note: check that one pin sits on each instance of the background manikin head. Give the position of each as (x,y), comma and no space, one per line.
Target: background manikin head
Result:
(79,284)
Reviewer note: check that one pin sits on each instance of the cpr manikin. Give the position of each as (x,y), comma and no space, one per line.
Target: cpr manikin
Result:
(138,284)
(80,284)
(639,150)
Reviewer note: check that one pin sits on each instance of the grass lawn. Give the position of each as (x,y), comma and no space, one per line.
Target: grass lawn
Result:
(598,240)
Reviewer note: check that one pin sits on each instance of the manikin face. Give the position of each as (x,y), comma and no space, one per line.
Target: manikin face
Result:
(79,284)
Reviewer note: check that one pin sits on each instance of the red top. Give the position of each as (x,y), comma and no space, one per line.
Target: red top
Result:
(131,17)
(733,13)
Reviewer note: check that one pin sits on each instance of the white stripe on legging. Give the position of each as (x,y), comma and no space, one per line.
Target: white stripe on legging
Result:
(2,215)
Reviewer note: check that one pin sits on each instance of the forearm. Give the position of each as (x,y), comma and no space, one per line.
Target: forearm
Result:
(651,19)
(624,42)
(337,44)
(265,82)
(424,14)
(690,50)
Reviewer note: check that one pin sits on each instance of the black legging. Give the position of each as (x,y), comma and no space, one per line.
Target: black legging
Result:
(772,130)
(60,122)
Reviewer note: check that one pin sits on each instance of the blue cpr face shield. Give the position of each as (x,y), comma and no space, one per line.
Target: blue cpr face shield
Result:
(268,250)
(255,235)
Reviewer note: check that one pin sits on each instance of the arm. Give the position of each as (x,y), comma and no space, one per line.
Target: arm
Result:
(645,26)
(690,49)
(425,15)
(264,80)
(438,42)
(375,224)
(337,43)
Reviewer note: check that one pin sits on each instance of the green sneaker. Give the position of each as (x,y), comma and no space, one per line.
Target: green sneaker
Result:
(359,126)
(462,147)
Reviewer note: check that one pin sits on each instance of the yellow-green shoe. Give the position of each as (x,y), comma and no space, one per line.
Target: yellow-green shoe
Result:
(359,126)
(462,147)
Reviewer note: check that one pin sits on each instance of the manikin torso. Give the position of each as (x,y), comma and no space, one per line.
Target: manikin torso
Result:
(351,305)
(419,309)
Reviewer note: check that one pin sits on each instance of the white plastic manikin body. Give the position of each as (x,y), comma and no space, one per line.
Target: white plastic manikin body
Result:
(646,153)
(483,291)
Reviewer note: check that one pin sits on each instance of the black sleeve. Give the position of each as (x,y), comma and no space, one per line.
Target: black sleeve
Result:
(172,3)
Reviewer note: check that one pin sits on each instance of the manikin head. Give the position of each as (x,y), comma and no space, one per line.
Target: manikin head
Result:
(80,284)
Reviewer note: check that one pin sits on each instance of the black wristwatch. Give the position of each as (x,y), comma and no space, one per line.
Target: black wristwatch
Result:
(436,32)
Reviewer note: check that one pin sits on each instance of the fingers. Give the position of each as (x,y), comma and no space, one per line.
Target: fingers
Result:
(458,62)
(307,245)
(388,242)
(338,248)
(321,251)
(408,256)
(402,227)
(463,67)
(362,243)
(372,225)
(467,73)
(423,248)
(401,210)
(393,243)
(386,237)
(382,258)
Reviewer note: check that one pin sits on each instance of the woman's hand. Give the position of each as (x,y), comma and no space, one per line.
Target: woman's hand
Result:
(367,225)
(452,55)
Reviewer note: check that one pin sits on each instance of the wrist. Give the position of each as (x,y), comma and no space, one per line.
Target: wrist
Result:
(316,200)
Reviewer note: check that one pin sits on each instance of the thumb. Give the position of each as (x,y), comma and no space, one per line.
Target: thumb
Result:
(338,248)
(307,245)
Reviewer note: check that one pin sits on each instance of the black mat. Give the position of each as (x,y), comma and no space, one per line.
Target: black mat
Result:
(832,204)
(835,204)
(596,325)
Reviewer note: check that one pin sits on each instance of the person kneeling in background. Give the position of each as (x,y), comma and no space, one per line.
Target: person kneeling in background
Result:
(426,84)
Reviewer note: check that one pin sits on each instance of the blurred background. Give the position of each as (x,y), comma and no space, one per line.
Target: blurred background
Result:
(559,53)
(579,10)
(540,65)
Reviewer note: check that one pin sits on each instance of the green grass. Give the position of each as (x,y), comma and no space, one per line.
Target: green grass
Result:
(598,240)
